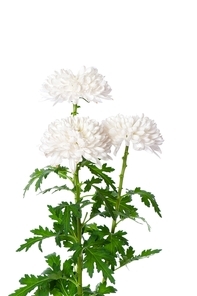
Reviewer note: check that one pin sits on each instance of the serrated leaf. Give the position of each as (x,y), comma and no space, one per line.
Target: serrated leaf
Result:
(102,288)
(96,235)
(55,214)
(53,261)
(87,291)
(102,197)
(43,290)
(67,267)
(129,257)
(89,183)
(39,174)
(56,188)
(117,241)
(43,234)
(105,168)
(148,199)
(63,214)
(100,172)
(97,257)
(61,171)
(126,210)
(30,282)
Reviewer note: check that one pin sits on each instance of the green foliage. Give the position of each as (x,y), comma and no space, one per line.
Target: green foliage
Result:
(129,255)
(96,256)
(53,261)
(41,234)
(147,198)
(90,183)
(100,173)
(117,242)
(30,282)
(89,246)
(56,188)
(103,289)
(40,174)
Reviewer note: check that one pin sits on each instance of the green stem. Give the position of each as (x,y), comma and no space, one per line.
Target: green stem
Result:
(75,107)
(120,186)
(119,196)
(63,290)
(79,234)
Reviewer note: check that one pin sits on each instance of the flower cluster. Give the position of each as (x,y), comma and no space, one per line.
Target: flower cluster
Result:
(142,132)
(73,138)
(88,84)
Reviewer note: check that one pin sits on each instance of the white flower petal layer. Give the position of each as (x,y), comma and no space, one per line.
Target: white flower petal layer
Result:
(142,132)
(73,138)
(87,84)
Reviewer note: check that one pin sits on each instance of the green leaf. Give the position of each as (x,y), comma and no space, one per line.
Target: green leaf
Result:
(56,292)
(88,292)
(105,168)
(66,219)
(53,261)
(77,248)
(68,267)
(89,183)
(147,198)
(30,282)
(96,235)
(56,188)
(61,171)
(39,174)
(43,290)
(66,287)
(126,210)
(103,289)
(100,172)
(116,244)
(103,197)
(97,256)
(129,257)
(56,213)
(43,234)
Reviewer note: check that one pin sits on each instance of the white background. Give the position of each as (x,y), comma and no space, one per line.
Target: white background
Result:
(147,50)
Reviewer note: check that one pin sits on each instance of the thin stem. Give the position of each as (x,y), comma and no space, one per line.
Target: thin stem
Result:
(120,186)
(64,291)
(119,196)
(75,107)
(79,234)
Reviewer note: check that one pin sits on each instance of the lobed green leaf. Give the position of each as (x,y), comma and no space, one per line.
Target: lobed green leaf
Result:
(42,233)
(147,198)
(30,282)
(129,256)
(40,174)
(53,261)
(103,289)
(100,173)
(98,256)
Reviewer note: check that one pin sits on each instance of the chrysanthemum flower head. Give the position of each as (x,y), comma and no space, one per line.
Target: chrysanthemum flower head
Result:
(87,84)
(73,138)
(141,132)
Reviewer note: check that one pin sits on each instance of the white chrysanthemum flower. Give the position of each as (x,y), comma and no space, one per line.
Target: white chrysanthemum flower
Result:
(142,132)
(73,138)
(87,84)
